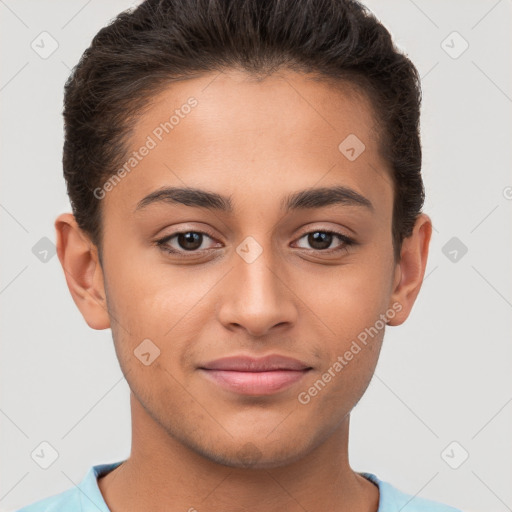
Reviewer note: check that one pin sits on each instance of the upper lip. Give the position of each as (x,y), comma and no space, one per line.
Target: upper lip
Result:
(252,364)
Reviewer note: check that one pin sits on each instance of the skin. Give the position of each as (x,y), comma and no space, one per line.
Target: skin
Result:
(193,443)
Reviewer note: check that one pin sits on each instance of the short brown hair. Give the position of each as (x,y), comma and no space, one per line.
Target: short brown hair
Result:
(142,50)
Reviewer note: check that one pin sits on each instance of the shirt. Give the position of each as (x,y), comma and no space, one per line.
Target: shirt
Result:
(88,498)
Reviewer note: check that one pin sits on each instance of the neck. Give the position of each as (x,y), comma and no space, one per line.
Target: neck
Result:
(163,474)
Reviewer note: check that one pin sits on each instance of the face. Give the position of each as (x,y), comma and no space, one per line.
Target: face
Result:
(261,268)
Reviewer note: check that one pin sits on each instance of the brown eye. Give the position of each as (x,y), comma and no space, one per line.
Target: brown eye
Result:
(322,240)
(182,242)
(190,241)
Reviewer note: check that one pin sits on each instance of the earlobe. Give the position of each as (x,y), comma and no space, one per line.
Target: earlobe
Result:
(82,270)
(411,269)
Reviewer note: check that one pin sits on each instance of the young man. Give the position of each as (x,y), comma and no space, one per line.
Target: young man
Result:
(246,193)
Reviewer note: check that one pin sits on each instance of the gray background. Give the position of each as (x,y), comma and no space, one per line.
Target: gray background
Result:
(443,377)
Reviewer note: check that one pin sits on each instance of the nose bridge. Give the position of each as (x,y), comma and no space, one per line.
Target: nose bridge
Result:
(257,299)
(257,277)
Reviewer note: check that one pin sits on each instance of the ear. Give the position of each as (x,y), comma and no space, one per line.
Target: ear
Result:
(410,269)
(84,275)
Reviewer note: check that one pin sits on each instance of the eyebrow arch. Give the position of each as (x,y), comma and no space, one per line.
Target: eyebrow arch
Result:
(189,197)
(304,199)
(325,196)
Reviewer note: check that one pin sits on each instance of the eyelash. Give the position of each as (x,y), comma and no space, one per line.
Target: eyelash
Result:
(347,242)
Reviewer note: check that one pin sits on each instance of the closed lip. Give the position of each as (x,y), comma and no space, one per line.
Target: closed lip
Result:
(242,363)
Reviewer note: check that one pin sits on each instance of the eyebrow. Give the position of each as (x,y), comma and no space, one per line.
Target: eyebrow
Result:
(304,199)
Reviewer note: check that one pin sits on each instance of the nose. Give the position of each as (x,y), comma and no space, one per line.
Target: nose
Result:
(256,297)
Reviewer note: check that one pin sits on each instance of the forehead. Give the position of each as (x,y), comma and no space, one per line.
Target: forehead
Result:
(230,130)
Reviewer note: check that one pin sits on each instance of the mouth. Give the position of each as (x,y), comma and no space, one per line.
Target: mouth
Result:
(255,376)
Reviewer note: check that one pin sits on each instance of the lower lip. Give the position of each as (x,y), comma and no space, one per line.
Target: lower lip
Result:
(255,383)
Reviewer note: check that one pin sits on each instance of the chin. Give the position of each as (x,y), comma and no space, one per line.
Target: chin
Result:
(254,454)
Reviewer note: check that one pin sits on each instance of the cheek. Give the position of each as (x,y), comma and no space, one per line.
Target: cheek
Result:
(344,312)
(161,305)
(347,300)
(348,354)
(151,297)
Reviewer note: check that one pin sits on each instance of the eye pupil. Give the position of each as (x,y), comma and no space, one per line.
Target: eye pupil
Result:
(190,240)
(319,237)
